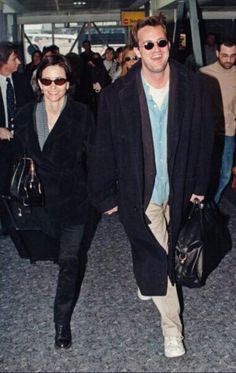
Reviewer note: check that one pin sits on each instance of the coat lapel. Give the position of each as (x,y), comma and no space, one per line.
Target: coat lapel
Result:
(135,110)
(130,105)
(61,127)
(178,90)
(2,112)
(148,146)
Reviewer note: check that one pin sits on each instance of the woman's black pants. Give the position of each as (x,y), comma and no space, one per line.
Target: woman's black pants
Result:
(72,265)
(75,242)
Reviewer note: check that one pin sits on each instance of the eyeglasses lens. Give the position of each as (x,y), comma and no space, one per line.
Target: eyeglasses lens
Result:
(161,44)
(58,81)
(127,59)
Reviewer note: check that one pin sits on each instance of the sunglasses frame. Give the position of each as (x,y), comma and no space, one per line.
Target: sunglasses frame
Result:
(128,58)
(162,43)
(57,81)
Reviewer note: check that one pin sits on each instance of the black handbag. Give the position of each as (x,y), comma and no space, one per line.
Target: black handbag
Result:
(202,243)
(25,186)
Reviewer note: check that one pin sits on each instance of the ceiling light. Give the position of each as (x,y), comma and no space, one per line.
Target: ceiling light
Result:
(79,3)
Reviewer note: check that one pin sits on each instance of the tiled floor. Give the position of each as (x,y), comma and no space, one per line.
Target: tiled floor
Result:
(113,331)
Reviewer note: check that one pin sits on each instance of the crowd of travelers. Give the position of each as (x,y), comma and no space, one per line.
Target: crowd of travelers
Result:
(105,132)
(91,70)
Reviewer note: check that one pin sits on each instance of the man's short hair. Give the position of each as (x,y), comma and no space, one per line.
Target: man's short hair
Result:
(228,42)
(54,48)
(153,21)
(6,49)
(86,42)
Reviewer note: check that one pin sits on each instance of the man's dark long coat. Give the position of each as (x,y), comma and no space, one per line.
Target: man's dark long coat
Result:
(122,166)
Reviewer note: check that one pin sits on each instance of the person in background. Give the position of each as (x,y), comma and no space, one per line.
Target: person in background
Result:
(35,61)
(55,49)
(118,60)
(129,58)
(224,71)
(15,91)
(47,52)
(209,54)
(99,79)
(85,73)
(210,49)
(56,133)
(87,53)
(109,61)
(150,158)
(75,63)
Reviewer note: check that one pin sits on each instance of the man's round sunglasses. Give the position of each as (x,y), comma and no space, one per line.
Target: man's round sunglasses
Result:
(57,81)
(162,43)
(127,59)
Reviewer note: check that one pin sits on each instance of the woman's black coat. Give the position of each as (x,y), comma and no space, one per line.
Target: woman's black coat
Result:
(122,166)
(61,164)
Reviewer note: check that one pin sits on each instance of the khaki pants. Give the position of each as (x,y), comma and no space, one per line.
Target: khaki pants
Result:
(168,305)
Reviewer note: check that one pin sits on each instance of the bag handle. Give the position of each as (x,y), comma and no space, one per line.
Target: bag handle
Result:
(196,205)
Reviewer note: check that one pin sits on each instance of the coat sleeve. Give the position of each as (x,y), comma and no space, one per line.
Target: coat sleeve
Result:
(205,146)
(102,175)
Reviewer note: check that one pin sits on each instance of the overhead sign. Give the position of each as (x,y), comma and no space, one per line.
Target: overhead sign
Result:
(128,18)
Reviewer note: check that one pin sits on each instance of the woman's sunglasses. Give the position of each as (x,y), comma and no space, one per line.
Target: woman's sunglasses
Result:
(57,81)
(127,59)
(162,43)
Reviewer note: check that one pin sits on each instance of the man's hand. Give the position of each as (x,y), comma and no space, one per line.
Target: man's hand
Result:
(111,211)
(5,134)
(97,87)
(195,196)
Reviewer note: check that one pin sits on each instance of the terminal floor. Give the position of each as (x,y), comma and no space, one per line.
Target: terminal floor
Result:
(113,331)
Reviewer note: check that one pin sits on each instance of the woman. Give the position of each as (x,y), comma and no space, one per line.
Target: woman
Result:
(55,132)
(35,61)
(109,62)
(129,58)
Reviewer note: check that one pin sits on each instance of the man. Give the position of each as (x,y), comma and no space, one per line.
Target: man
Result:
(151,156)
(224,70)
(15,91)
(86,86)
(210,49)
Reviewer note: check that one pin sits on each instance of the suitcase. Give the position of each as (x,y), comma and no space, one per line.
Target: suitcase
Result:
(29,240)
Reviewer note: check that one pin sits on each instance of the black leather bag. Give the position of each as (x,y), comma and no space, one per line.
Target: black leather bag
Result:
(202,243)
(26,187)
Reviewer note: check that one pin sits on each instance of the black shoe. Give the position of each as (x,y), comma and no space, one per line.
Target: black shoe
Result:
(63,336)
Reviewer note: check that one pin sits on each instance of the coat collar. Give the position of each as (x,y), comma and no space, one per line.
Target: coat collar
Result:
(60,129)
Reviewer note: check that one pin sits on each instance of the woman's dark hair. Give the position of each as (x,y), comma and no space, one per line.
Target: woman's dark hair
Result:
(52,61)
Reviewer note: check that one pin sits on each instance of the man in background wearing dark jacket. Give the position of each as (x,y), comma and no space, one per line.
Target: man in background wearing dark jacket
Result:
(15,91)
